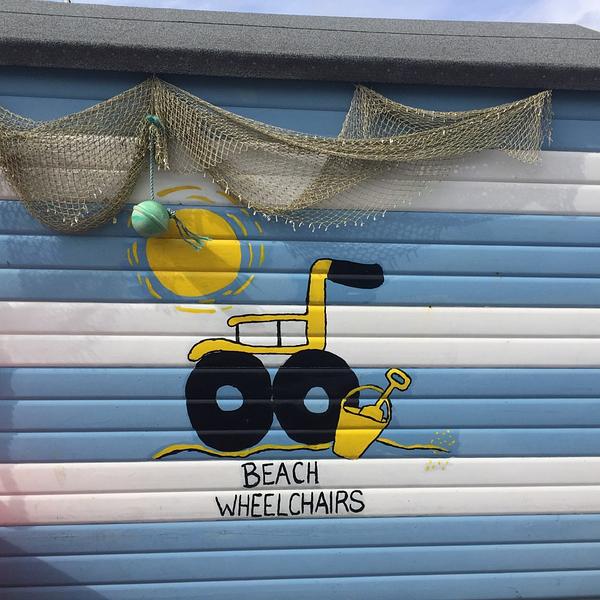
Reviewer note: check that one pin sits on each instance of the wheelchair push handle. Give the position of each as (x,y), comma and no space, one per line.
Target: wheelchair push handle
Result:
(356,275)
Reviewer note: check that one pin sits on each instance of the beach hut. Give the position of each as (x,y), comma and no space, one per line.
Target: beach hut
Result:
(340,371)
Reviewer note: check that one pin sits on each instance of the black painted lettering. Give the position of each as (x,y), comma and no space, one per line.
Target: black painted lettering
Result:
(282,473)
(356,503)
(281,513)
(341,498)
(268,505)
(322,503)
(292,497)
(267,473)
(244,506)
(226,508)
(251,479)
(255,505)
(312,475)
(294,468)
(307,506)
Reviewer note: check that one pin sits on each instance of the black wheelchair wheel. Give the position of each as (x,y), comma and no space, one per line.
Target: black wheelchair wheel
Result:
(229,430)
(301,372)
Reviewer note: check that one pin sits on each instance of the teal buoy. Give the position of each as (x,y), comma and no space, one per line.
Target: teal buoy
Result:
(150,218)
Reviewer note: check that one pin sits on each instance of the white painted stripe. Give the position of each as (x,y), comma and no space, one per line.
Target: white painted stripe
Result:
(489,182)
(378,502)
(352,321)
(171,351)
(225,475)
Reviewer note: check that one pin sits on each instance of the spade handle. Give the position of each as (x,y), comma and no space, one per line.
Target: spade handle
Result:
(397,380)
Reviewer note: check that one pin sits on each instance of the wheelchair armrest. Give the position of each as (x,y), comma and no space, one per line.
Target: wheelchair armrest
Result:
(234,321)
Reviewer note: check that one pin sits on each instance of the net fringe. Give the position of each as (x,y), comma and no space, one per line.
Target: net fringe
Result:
(77,172)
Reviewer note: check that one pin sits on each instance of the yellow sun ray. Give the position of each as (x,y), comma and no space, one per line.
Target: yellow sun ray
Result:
(201,198)
(139,278)
(129,257)
(177,188)
(135,253)
(196,310)
(244,285)
(229,198)
(152,291)
(237,221)
(257,225)
(250,255)
(261,256)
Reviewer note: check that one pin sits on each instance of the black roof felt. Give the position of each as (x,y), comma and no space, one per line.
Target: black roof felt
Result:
(46,34)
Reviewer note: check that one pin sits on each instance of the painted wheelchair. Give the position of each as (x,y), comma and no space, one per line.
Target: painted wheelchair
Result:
(224,362)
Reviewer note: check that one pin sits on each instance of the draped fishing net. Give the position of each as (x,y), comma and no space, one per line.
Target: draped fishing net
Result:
(77,172)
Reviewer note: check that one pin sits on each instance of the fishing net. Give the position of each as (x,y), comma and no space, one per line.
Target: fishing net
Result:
(77,172)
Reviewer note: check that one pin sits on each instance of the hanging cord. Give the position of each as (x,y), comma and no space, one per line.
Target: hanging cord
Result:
(157,153)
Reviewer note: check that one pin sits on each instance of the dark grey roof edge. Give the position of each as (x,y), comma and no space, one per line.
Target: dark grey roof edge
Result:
(45,34)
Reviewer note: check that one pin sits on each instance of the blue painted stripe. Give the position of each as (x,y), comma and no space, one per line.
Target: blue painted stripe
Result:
(567,134)
(297,563)
(496,586)
(398,227)
(315,108)
(160,383)
(171,415)
(142,445)
(298,533)
(397,290)
(92,85)
(101,253)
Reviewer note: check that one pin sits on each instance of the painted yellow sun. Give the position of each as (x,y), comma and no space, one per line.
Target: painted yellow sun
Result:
(187,272)
(222,270)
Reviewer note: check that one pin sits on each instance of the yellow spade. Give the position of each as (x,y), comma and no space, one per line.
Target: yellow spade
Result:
(358,428)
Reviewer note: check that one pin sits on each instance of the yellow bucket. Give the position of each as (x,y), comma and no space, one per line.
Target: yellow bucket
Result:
(358,428)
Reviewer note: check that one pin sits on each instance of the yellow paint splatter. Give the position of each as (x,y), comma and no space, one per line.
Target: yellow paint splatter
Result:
(237,221)
(244,285)
(227,293)
(196,310)
(445,438)
(177,188)
(152,291)
(439,465)
(225,308)
(228,196)
(207,301)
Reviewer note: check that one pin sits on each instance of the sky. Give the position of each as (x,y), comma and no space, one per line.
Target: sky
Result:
(583,12)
